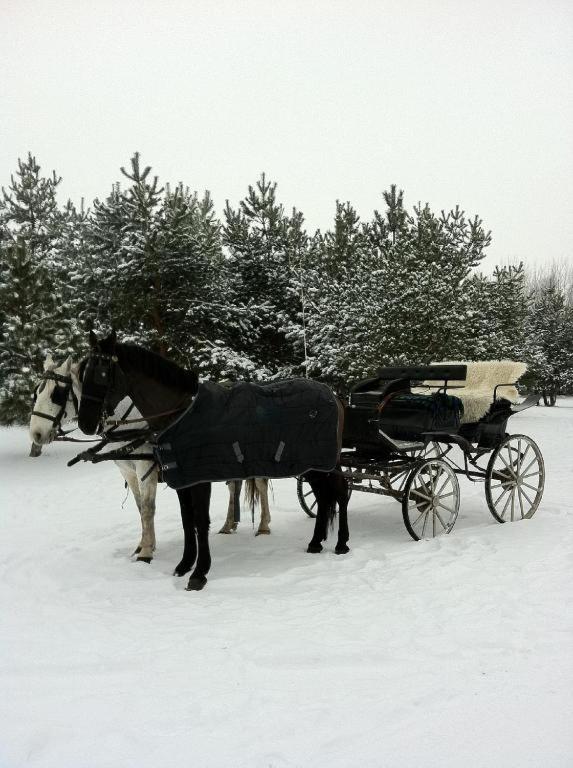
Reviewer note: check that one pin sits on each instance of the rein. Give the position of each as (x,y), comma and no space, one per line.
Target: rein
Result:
(118,422)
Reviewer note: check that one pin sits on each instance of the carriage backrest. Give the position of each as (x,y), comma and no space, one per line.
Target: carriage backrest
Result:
(403,375)
(479,386)
(486,375)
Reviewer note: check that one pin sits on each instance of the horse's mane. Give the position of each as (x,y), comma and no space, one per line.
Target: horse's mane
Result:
(157,367)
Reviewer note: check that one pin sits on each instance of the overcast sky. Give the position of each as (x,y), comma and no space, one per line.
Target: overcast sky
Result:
(455,101)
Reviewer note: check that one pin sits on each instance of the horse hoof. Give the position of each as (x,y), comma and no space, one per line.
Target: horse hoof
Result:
(181,569)
(341,549)
(144,559)
(225,531)
(263,533)
(314,548)
(195,583)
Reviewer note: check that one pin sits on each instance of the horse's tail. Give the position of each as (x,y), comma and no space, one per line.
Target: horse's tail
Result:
(327,490)
(253,494)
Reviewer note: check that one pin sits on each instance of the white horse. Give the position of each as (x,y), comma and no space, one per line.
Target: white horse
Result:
(56,403)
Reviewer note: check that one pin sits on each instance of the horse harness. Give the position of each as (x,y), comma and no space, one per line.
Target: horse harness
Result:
(101,389)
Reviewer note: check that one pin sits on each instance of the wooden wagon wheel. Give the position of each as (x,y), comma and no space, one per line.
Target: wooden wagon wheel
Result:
(396,481)
(515,478)
(431,500)
(306,497)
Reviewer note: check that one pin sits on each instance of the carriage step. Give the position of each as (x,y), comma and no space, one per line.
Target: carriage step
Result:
(401,446)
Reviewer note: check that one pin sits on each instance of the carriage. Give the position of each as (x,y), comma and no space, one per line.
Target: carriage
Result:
(403,426)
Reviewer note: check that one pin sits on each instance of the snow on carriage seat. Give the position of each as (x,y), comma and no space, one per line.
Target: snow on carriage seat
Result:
(481,379)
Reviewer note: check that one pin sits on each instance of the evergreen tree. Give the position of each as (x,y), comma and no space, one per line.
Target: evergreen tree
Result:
(265,249)
(25,321)
(550,341)
(29,208)
(400,297)
(34,316)
(203,327)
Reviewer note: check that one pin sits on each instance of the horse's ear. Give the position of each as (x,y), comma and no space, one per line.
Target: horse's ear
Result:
(68,364)
(48,362)
(93,340)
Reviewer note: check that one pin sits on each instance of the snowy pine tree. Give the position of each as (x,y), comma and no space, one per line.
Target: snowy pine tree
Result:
(25,322)
(34,315)
(550,342)
(263,254)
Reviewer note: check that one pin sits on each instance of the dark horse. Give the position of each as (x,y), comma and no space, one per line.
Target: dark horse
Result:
(160,389)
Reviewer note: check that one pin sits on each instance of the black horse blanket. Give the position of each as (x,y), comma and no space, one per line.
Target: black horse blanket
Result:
(246,430)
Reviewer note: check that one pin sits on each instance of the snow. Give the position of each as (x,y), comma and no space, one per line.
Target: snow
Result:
(453,652)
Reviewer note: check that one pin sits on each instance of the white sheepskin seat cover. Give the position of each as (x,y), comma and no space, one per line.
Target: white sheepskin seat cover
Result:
(478,388)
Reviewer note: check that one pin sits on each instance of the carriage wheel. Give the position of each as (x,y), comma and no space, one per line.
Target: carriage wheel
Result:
(515,478)
(306,497)
(431,500)
(396,481)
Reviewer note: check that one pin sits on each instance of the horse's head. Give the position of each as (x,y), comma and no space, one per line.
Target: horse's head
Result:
(54,401)
(102,382)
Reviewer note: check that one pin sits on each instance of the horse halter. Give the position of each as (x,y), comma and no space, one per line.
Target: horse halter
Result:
(60,396)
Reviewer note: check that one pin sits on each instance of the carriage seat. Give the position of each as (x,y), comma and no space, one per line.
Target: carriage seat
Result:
(477,391)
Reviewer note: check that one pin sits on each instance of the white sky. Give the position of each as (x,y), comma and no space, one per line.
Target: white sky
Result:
(456,101)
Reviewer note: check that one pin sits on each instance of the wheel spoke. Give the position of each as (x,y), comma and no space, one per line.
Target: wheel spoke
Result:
(527,497)
(520,502)
(512,504)
(439,493)
(525,452)
(531,487)
(420,495)
(531,463)
(499,498)
(506,505)
(521,493)
(448,509)
(424,526)
(506,464)
(420,516)
(314,503)
(531,474)
(437,514)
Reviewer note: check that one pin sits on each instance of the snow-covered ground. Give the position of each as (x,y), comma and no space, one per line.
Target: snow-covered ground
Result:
(453,652)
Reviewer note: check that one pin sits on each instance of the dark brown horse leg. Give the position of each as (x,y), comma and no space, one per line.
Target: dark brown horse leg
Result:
(319,484)
(201,494)
(343,533)
(189,533)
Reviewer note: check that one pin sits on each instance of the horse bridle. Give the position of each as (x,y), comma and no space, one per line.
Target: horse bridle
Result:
(63,397)
(102,385)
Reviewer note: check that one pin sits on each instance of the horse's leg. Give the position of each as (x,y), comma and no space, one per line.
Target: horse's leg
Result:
(147,481)
(128,474)
(325,501)
(341,485)
(35,450)
(190,537)
(201,494)
(263,489)
(234,495)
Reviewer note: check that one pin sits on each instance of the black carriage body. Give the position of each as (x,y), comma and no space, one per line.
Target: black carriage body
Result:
(387,405)
(487,433)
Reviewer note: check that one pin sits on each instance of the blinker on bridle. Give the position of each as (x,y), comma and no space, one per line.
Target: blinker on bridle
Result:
(99,388)
(59,397)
